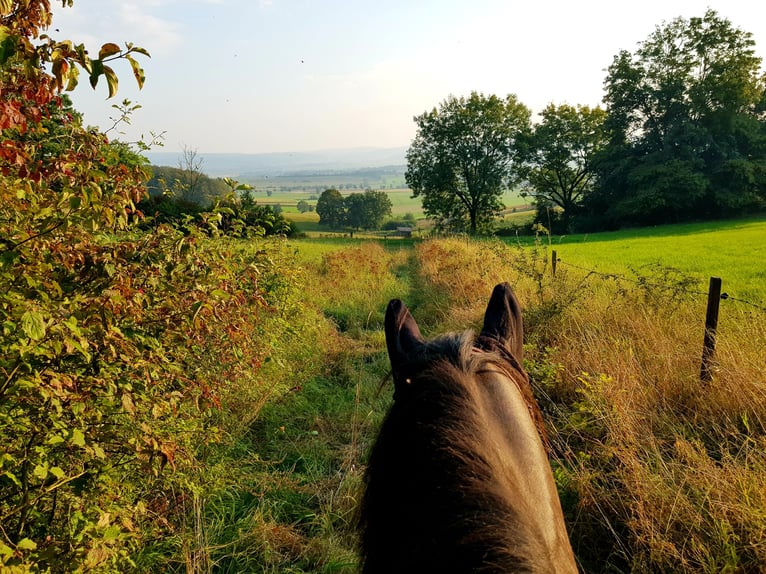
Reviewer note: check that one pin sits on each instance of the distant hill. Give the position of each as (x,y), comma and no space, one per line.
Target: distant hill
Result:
(288,163)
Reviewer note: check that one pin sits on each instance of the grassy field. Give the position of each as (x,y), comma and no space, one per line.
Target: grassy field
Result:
(732,250)
(656,472)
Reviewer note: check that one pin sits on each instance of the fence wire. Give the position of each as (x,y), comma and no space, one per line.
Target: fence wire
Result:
(678,288)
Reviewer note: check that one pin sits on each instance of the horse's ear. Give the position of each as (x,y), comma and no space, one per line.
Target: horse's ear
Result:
(402,335)
(503,322)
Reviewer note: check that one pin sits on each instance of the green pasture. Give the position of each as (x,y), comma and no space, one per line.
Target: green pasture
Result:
(317,183)
(732,250)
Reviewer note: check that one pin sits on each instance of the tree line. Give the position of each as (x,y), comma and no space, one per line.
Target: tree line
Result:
(358,210)
(682,137)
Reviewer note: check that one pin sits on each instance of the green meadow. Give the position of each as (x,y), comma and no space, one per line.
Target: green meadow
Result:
(734,250)
(656,471)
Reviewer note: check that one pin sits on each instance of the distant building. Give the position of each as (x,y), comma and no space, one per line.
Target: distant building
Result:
(404,231)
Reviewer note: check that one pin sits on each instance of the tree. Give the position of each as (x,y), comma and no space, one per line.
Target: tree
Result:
(179,183)
(558,168)
(331,209)
(462,158)
(367,210)
(304,206)
(685,123)
(190,165)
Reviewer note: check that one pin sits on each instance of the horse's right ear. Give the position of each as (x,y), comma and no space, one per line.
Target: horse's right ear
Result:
(503,322)
(402,336)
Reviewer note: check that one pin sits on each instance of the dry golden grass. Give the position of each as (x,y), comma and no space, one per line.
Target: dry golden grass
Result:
(663,472)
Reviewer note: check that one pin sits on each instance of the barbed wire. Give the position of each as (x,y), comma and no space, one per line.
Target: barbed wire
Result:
(621,277)
(678,288)
(726,296)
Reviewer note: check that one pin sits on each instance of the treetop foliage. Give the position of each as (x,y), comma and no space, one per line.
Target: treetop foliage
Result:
(682,137)
(463,155)
(358,210)
(23,21)
(686,128)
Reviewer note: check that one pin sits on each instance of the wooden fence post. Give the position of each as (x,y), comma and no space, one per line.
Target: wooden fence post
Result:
(711,324)
(554,259)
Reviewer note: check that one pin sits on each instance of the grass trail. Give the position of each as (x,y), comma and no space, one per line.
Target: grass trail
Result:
(312,443)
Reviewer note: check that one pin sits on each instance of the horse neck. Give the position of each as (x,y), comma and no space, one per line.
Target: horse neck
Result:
(522,464)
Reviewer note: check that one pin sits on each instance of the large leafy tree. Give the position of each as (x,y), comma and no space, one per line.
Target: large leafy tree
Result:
(367,210)
(686,125)
(463,157)
(331,209)
(558,170)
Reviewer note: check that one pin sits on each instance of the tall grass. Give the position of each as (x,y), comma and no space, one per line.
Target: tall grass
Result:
(299,462)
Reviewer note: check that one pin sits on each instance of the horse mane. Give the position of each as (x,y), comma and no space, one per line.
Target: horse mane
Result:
(430,454)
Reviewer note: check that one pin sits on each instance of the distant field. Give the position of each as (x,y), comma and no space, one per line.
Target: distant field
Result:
(401,199)
(732,250)
(317,183)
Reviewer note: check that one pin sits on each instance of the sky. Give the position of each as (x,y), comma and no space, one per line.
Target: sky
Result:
(262,76)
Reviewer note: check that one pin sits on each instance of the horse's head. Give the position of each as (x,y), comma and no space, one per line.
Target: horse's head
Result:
(502,331)
(458,479)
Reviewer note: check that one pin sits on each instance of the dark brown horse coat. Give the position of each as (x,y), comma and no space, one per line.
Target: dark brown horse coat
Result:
(458,480)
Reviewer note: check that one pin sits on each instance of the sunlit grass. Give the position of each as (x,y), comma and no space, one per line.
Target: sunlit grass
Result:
(732,250)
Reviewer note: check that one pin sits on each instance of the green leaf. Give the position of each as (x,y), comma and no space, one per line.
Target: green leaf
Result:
(112,533)
(55,439)
(33,325)
(7,43)
(73,78)
(111,80)
(58,472)
(12,477)
(71,324)
(139,50)
(41,471)
(98,451)
(138,71)
(26,544)
(97,69)
(78,438)
(82,55)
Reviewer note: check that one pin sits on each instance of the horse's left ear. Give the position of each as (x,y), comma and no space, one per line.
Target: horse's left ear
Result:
(402,336)
(503,322)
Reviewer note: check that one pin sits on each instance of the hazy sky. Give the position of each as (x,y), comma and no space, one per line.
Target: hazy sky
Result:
(254,76)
